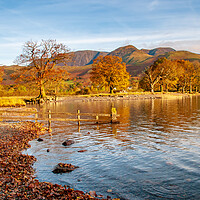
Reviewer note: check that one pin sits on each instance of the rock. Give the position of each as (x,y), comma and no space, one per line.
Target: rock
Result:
(63,168)
(40,140)
(68,142)
(80,151)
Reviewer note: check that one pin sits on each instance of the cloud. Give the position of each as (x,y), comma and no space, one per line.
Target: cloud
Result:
(153,4)
(99,24)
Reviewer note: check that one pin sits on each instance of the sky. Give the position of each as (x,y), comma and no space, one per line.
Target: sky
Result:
(101,25)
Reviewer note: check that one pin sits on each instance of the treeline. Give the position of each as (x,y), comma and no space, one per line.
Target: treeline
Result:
(171,75)
(162,76)
(71,86)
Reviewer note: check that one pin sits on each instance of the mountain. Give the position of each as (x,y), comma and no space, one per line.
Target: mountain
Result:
(8,70)
(135,59)
(158,51)
(124,52)
(82,58)
(182,55)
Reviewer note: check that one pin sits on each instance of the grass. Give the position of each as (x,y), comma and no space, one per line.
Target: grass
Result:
(11,102)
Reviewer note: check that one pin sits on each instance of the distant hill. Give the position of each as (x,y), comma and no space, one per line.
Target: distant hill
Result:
(135,59)
(124,52)
(8,70)
(82,58)
(158,51)
(182,55)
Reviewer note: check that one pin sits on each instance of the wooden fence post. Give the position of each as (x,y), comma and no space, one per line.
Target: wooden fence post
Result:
(113,115)
(49,121)
(97,118)
(78,117)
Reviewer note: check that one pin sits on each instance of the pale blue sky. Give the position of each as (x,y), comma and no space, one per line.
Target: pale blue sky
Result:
(99,24)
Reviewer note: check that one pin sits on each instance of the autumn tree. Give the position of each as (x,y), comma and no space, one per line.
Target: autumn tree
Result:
(159,70)
(197,76)
(172,73)
(41,63)
(109,71)
(186,74)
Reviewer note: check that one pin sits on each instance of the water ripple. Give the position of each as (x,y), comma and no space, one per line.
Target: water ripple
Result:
(152,154)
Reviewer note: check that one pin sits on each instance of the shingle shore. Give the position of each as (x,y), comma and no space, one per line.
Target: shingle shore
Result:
(17,179)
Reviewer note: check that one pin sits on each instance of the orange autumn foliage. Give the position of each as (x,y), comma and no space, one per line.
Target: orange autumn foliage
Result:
(41,60)
(109,71)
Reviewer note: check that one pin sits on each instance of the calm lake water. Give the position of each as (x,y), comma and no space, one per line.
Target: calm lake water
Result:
(154,153)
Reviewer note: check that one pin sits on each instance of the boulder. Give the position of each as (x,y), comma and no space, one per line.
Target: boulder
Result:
(63,168)
(68,142)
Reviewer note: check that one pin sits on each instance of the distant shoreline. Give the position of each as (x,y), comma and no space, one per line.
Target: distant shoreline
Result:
(18,101)
(139,96)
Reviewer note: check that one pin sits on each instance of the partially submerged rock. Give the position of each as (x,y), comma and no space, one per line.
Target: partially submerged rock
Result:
(84,150)
(68,142)
(63,168)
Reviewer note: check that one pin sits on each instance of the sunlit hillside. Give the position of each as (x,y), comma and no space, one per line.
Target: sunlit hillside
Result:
(135,59)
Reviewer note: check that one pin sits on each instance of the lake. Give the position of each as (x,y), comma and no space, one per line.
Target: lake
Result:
(154,153)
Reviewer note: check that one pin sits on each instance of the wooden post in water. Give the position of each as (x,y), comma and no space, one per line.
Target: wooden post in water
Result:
(78,117)
(114,116)
(97,118)
(49,121)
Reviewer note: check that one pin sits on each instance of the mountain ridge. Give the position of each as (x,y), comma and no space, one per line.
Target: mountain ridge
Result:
(137,60)
(85,57)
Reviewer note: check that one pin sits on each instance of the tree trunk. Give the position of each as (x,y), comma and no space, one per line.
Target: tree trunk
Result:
(183,89)
(190,86)
(111,89)
(152,88)
(161,88)
(166,87)
(42,94)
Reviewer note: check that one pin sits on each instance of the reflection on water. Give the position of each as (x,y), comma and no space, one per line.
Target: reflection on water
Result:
(153,153)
